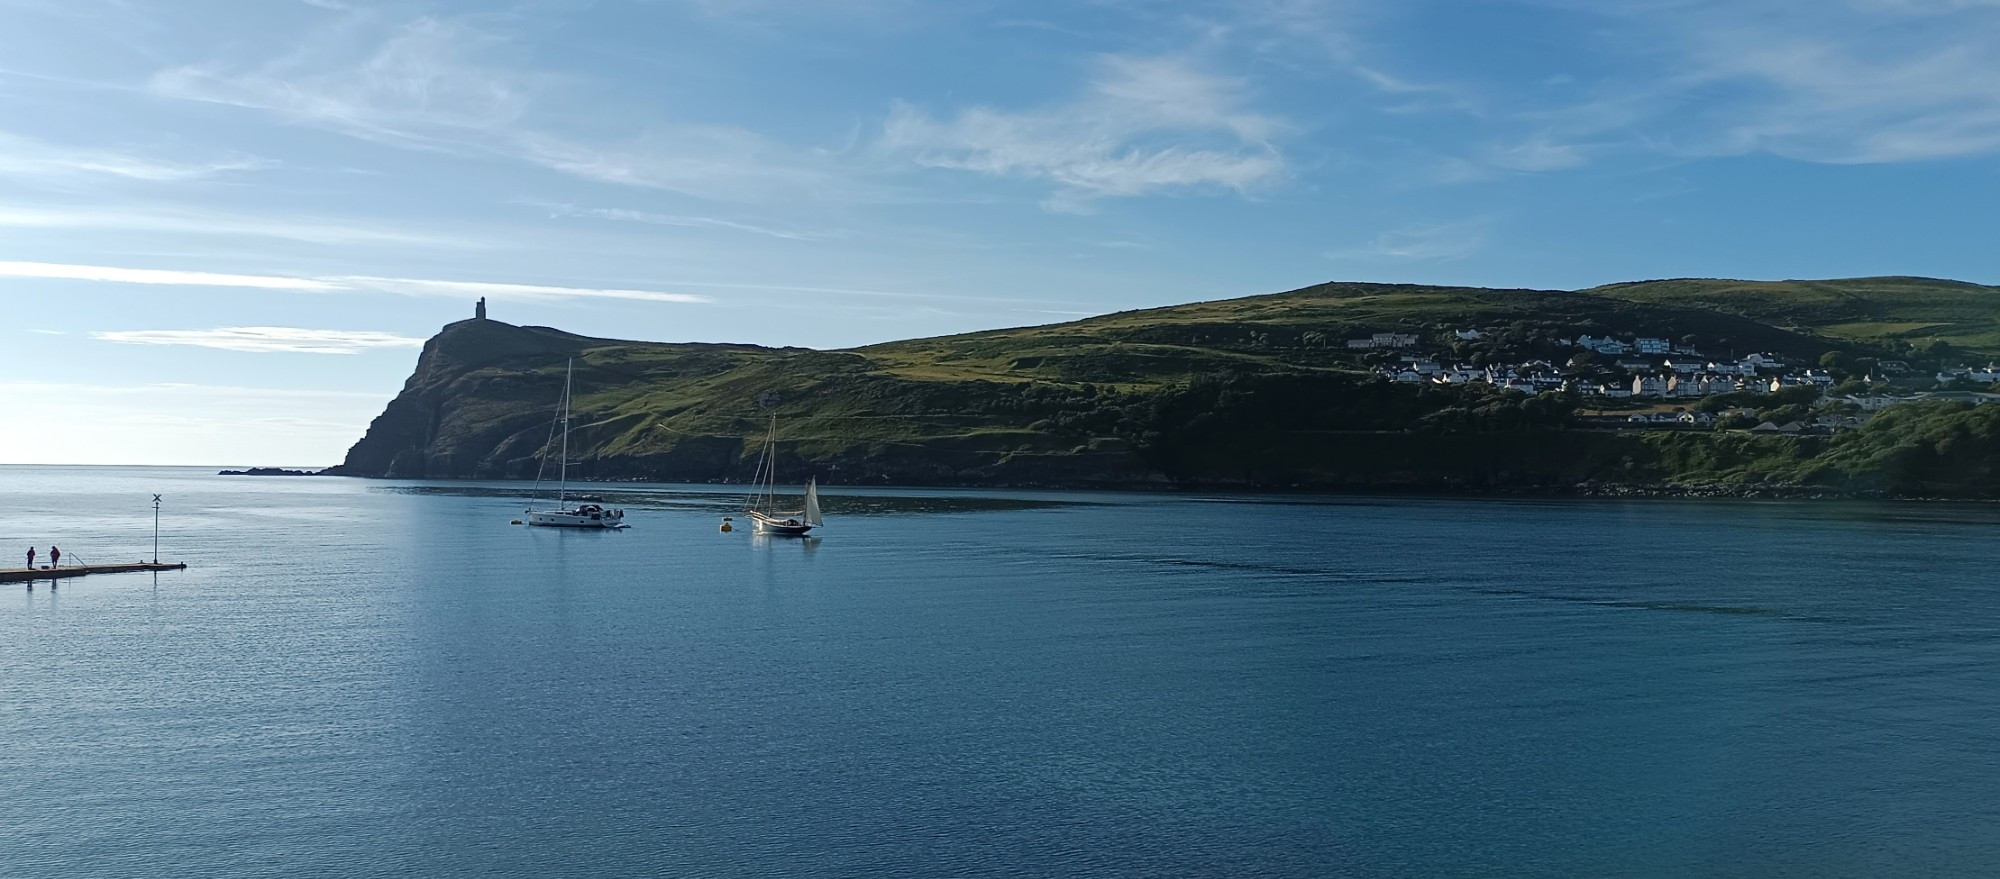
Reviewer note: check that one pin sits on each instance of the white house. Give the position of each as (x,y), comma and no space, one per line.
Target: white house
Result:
(1603,345)
(1469,335)
(1649,386)
(1653,346)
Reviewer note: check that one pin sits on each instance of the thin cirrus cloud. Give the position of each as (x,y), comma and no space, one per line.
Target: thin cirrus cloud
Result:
(1142,125)
(680,221)
(1436,242)
(264,340)
(1856,82)
(29,158)
(142,218)
(332,284)
(447,86)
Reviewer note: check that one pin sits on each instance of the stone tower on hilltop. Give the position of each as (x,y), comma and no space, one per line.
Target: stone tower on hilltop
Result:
(479,311)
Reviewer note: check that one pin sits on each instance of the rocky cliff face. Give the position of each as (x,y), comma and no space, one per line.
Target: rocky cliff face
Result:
(482,400)
(443,424)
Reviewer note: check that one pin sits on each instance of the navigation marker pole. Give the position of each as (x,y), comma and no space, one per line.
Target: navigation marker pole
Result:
(156,529)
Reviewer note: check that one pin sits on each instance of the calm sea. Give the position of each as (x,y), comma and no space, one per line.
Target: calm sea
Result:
(361,678)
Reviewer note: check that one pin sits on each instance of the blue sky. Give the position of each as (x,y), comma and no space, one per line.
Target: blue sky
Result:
(224,225)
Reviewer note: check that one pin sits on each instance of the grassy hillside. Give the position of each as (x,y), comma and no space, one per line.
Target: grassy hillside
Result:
(1304,328)
(1253,391)
(1894,313)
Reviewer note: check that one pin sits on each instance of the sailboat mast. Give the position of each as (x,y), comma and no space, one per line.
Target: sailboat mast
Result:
(769,474)
(562,489)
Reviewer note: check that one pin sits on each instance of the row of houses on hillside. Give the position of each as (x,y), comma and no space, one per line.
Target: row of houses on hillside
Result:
(1709,384)
(1640,345)
(1540,376)
(1987,373)
(1384,340)
(1753,365)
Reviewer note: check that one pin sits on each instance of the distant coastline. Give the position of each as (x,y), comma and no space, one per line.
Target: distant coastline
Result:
(1367,388)
(270,471)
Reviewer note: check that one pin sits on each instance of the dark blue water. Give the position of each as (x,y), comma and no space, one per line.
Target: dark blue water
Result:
(387,679)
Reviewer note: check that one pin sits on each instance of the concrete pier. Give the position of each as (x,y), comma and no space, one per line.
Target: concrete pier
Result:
(25,575)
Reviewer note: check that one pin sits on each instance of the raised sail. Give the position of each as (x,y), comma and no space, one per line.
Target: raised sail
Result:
(763,512)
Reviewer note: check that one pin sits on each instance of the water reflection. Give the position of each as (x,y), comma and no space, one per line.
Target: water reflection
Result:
(727,502)
(779,543)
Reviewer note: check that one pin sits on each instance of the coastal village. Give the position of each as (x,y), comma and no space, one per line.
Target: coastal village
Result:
(1663,384)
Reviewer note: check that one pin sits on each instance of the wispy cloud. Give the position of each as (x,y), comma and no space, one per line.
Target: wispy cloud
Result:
(418,287)
(1436,242)
(264,340)
(332,284)
(421,88)
(26,157)
(444,85)
(197,222)
(1141,125)
(1845,81)
(110,274)
(680,221)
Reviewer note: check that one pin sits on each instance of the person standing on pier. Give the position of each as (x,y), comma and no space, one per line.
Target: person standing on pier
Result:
(31,558)
(55,556)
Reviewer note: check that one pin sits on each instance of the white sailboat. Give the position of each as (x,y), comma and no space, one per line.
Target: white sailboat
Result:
(583,515)
(765,517)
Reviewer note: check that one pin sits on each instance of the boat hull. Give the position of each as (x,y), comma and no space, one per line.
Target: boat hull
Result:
(604,519)
(763,524)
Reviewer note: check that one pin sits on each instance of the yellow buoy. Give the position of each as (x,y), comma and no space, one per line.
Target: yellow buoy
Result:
(726,527)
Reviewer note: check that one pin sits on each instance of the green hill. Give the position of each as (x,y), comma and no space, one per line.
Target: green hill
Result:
(1893,313)
(1261,391)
